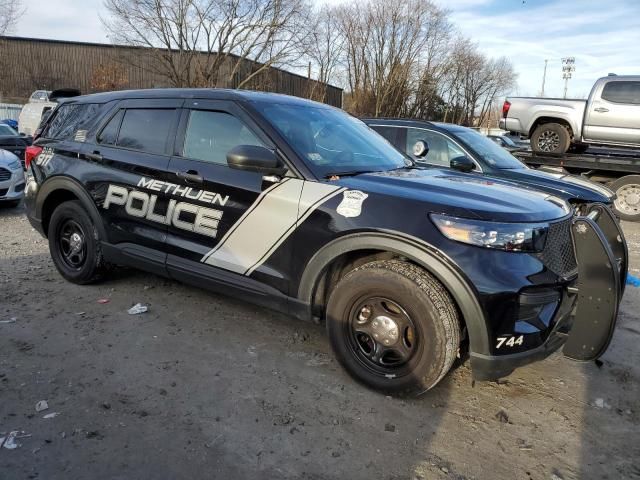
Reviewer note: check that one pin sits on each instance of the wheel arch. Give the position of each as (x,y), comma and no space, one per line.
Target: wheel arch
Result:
(559,120)
(375,245)
(59,189)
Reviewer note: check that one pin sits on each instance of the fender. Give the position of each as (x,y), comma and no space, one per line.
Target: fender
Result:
(423,254)
(61,182)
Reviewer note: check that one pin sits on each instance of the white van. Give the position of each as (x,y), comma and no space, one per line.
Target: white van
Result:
(31,114)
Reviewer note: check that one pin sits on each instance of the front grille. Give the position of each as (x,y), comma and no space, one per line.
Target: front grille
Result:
(558,254)
(4,174)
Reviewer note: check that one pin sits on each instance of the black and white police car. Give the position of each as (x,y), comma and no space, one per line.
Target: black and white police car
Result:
(302,208)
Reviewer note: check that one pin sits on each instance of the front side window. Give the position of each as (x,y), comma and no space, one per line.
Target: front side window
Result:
(330,141)
(146,130)
(441,149)
(210,135)
(622,92)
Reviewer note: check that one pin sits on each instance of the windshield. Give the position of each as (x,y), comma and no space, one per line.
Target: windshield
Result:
(488,150)
(332,142)
(7,130)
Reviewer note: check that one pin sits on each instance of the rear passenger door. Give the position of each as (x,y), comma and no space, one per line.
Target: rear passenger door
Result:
(128,180)
(231,227)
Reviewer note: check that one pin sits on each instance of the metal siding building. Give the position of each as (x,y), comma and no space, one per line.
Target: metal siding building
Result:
(28,64)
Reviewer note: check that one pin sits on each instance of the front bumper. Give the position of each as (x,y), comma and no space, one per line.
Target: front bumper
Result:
(12,189)
(586,316)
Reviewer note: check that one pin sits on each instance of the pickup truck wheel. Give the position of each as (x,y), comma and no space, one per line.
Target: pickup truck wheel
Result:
(627,202)
(550,138)
(393,327)
(74,244)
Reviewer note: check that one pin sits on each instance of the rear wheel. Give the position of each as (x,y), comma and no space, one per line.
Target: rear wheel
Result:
(74,244)
(393,327)
(550,138)
(627,202)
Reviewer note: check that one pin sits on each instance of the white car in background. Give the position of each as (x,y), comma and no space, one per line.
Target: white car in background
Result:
(12,180)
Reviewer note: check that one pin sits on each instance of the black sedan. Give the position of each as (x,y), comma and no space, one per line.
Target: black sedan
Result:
(452,146)
(14,142)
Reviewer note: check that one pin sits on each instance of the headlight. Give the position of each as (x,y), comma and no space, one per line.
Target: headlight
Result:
(15,165)
(513,237)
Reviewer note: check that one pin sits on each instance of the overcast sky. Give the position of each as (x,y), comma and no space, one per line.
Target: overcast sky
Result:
(603,36)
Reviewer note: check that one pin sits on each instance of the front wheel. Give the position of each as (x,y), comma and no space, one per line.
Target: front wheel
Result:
(627,202)
(393,327)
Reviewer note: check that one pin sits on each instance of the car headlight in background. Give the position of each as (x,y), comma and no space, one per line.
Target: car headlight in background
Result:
(511,237)
(15,165)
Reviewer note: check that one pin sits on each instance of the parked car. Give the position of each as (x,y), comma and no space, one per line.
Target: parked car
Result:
(610,116)
(12,123)
(12,179)
(452,146)
(13,141)
(39,107)
(300,207)
(506,142)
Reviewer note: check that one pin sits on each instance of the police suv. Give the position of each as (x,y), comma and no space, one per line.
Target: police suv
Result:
(302,208)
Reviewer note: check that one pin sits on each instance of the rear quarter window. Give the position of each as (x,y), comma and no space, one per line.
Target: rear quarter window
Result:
(71,118)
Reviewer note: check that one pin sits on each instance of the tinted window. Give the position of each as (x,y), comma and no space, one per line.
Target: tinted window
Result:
(109,133)
(390,133)
(210,135)
(331,141)
(146,129)
(486,151)
(7,130)
(441,149)
(69,118)
(622,92)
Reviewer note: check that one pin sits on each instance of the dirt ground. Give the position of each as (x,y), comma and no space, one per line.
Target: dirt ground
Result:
(203,386)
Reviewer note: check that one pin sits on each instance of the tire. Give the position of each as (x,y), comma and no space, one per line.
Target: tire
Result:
(550,138)
(407,292)
(87,264)
(627,202)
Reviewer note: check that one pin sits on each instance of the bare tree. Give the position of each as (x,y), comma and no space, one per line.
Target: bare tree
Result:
(10,12)
(211,42)
(109,76)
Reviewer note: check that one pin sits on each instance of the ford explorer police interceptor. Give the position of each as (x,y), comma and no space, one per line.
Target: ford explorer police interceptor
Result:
(302,208)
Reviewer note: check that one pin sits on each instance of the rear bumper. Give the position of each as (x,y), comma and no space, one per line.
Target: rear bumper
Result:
(587,314)
(511,125)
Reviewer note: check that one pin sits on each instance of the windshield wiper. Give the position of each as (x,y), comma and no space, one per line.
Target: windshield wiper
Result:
(351,173)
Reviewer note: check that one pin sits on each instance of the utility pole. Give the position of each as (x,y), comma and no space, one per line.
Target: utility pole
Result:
(568,67)
(544,76)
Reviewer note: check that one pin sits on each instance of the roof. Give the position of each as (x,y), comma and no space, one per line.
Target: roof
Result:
(193,93)
(413,122)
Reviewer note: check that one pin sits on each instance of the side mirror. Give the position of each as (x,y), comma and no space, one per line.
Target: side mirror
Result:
(254,159)
(462,164)
(420,149)
(22,134)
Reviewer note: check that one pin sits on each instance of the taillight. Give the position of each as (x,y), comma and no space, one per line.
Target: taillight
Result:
(30,154)
(505,108)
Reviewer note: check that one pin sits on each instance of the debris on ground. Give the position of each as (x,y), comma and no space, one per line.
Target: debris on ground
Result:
(9,442)
(600,403)
(11,320)
(137,309)
(51,415)
(389,427)
(502,416)
(41,405)
(103,300)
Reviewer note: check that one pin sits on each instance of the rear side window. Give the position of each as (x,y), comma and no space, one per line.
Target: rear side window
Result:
(109,134)
(146,129)
(69,119)
(622,92)
(210,135)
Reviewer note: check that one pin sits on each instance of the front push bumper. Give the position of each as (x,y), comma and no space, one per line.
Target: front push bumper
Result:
(588,311)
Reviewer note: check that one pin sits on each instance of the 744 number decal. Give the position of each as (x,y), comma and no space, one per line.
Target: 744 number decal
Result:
(509,341)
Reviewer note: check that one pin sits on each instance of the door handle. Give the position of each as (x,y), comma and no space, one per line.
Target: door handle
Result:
(95,156)
(601,110)
(190,176)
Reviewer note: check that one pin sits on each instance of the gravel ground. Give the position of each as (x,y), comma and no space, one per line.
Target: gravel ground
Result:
(203,386)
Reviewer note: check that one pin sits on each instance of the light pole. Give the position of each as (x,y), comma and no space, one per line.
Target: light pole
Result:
(544,76)
(568,67)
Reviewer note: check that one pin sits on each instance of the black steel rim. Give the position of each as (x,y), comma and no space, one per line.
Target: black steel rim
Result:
(382,335)
(72,244)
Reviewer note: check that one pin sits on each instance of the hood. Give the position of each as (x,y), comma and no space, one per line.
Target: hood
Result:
(463,195)
(568,187)
(6,158)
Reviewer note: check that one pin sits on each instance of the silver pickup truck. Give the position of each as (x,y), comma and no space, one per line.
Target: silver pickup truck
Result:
(610,116)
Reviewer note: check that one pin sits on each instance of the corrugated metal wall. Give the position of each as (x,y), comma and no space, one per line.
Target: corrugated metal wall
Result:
(32,64)
(9,111)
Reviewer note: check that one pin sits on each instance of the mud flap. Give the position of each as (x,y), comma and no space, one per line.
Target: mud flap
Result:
(599,291)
